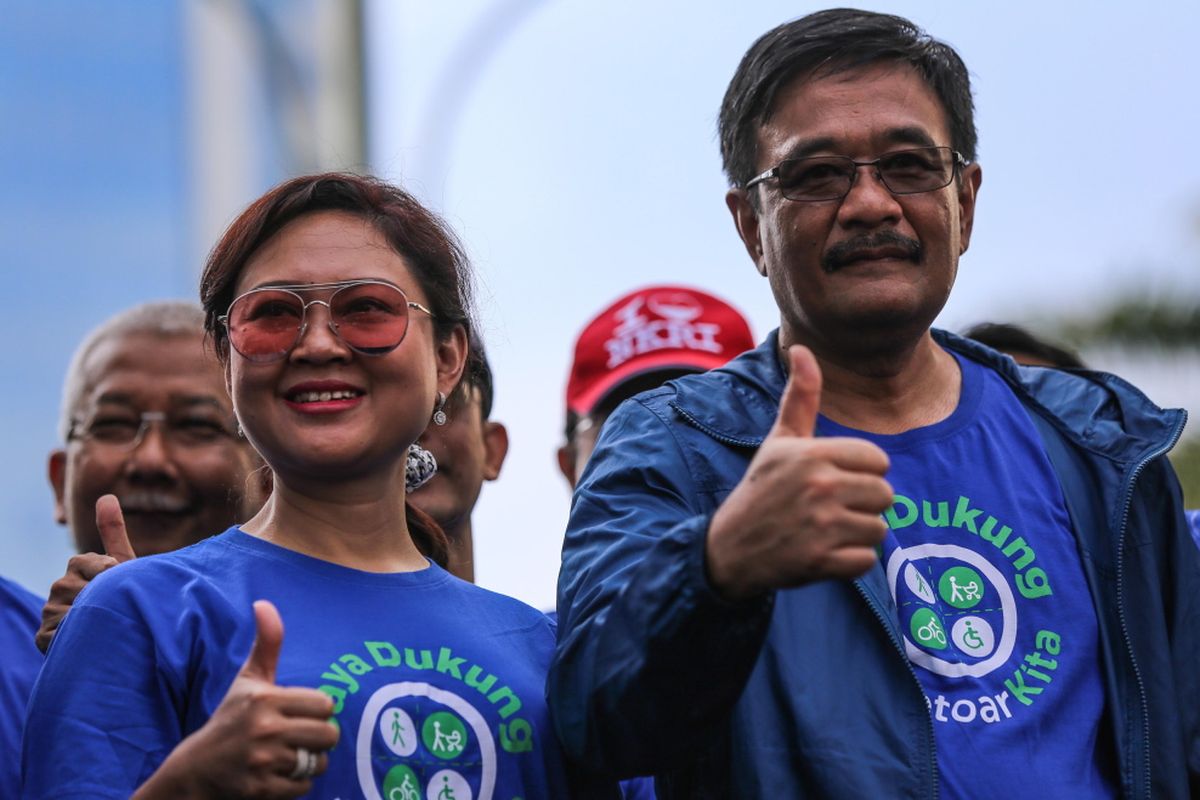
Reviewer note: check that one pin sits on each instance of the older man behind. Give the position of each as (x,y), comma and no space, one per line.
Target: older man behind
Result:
(146,417)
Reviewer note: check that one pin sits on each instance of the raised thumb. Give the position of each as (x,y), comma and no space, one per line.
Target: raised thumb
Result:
(110,522)
(801,397)
(268,639)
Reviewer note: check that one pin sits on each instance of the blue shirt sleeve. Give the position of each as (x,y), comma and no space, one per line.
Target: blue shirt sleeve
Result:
(20,660)
(112,700)
(636,612)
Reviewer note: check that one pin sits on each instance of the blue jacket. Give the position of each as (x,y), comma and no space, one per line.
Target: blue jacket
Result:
(807,692)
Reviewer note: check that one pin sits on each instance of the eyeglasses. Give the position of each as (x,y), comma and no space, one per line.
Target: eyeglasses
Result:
(369,317)
(125,430)
(820,178)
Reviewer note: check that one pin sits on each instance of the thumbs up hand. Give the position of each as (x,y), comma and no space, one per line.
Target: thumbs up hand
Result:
(83,568)
(807,508)
(257,741)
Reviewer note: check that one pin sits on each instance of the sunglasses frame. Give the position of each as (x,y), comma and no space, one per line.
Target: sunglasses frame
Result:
(295,289)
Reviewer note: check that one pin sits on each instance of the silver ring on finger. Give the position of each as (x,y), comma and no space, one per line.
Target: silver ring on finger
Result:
(306,764)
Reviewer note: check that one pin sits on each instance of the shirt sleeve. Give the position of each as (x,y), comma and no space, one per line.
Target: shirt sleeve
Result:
(650,658)
(107,707)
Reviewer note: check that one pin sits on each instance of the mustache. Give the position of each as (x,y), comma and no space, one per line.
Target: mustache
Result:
(843,253)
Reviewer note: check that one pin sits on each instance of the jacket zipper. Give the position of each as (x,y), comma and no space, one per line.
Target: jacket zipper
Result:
(933,770)
(1137,673)
(929,738)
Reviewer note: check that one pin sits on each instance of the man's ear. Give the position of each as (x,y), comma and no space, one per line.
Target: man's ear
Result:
(745,219)
(566,464)
(451,360)
(495,449)
(56,471)
(968,191)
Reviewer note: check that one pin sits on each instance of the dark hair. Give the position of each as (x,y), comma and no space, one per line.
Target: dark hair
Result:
(428,246)
(477,376)
(1014,340)
(829,42)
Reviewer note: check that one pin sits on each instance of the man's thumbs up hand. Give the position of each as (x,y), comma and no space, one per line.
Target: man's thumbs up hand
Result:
(110,522)
(801,398)
(82,568)
(807,508)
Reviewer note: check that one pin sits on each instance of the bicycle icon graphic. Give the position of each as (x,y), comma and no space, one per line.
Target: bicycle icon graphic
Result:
(405,791)
(932,633)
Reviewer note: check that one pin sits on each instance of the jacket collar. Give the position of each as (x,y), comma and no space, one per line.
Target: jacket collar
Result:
(737,403)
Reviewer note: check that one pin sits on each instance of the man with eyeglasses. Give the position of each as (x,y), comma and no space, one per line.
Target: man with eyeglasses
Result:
(146,417)
(869,559)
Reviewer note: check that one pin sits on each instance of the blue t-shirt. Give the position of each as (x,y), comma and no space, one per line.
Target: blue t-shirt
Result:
(20,660)
(995,612)
(438,685)
(1193,518)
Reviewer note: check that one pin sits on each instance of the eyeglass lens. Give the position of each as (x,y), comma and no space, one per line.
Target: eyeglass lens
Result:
(372,318)
(830,177)
(126,429)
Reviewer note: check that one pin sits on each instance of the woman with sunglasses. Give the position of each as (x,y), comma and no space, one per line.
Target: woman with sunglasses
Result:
(340,308)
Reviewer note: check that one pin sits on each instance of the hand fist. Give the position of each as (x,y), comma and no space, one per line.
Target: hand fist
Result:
(807,508)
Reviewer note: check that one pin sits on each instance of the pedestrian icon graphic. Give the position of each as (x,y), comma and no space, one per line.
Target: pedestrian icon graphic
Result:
(918,585)
(398,732)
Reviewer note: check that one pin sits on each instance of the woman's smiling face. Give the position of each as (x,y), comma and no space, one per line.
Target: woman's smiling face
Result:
(325,410)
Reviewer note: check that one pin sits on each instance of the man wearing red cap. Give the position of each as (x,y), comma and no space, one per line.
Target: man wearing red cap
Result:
(641,341)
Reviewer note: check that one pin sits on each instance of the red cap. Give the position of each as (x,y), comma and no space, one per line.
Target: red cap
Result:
(652,329)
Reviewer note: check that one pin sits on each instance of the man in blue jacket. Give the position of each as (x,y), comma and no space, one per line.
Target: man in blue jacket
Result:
(868,559)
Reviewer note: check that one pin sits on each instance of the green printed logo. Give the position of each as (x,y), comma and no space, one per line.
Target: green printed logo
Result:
(401,783)
(961,587)
(444,734)
(927,629)
(398,732)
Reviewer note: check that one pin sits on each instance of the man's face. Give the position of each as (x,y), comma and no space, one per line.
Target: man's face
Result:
(186,478)
(873,262)
(469,450)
